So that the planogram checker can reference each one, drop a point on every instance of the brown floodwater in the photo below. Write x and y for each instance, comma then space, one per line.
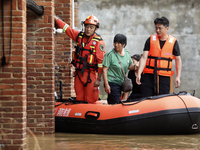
68, 141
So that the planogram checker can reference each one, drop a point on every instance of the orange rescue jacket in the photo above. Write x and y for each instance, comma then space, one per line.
74, 35
160, 60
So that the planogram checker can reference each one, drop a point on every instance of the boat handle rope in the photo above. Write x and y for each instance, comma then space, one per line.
72, 102
59, 104
135, 102
194, 125
151, 98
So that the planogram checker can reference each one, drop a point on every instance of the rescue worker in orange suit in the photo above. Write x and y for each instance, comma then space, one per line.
156, 62
87, 58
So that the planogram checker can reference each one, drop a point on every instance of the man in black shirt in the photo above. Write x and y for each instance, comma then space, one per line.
156, 62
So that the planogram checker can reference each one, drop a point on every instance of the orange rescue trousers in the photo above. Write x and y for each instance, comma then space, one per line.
87, 93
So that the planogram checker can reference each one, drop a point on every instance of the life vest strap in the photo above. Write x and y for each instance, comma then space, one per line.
166, 69
172, 84
80, 58
158, 84
88, 78
156, 76
84, 66
158, 87
159, 58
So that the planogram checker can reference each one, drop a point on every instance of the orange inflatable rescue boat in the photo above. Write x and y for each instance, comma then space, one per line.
177, 113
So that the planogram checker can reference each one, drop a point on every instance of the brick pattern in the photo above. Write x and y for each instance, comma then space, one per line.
13, 77
27, 83
40, 69
63, 48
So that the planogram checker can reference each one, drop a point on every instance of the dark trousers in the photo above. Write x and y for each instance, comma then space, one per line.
133, 96
115, 94
147, 87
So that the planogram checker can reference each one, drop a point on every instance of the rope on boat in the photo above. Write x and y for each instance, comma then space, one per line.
136, 101
194, 125
71, 101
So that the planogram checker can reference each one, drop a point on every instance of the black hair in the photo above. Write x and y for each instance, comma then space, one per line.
120, 38
137, 57
163, 20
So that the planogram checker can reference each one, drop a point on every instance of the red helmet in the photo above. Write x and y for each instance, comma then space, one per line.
92, 20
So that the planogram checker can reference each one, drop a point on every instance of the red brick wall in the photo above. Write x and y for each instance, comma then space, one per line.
63, 49
40, 69
27, 83
13, 77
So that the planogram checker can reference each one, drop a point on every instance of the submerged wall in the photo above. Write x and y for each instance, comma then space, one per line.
134, 18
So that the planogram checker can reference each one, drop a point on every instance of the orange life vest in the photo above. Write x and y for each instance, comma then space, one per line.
160, 60
84, 57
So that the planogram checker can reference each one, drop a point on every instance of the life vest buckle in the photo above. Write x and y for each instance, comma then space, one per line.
81, 58
159, 58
